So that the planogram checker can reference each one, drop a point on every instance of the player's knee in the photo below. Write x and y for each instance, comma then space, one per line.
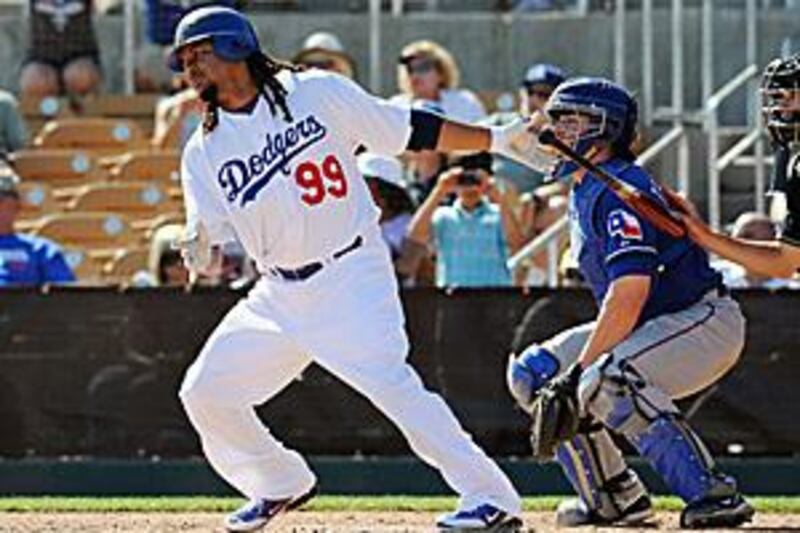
617, 395
529, 372
196, 389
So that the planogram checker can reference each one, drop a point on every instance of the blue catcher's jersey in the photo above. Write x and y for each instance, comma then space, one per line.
610, 240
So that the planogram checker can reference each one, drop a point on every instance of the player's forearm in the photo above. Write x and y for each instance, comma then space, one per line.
456, 136
617, 318
767, 258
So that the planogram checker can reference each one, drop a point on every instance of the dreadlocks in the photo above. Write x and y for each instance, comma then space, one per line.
264, 70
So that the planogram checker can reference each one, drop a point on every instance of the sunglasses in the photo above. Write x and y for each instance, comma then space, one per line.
418, 66
324, 64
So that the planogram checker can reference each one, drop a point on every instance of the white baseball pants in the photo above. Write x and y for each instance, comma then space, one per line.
348, 319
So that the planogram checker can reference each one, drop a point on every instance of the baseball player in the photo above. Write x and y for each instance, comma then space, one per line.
666, 329
780, 92
273, 166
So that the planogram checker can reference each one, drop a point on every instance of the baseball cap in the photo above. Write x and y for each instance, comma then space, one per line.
386, 169
8, 182
544, 74
324, 47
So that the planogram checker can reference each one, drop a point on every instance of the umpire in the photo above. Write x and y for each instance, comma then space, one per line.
780, 104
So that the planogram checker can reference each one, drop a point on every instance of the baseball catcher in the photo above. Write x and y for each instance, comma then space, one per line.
666, 329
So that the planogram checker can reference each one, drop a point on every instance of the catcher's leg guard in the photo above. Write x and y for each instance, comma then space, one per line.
609, 491
615, 393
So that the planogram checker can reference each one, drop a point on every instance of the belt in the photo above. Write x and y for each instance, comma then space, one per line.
306, 271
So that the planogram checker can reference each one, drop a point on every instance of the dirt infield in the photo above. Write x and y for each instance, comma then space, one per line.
310, 522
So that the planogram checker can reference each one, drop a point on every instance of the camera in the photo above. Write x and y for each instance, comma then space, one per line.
469, 177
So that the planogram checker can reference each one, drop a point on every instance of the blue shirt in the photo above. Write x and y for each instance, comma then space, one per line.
471, 246
30, 260
609, 240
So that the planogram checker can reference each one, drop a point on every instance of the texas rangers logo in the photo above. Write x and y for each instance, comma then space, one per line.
624, 225
243, 179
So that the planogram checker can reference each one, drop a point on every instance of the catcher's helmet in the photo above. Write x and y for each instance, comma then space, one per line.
231, 34
780, 100
544, 74
610, 108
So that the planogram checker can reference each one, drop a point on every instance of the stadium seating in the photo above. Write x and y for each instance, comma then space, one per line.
36, 200
161, 166
57, 168
87, 230
137, 200
85, 268
99, 135
125, 263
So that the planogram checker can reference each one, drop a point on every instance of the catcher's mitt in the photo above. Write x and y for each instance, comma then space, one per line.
556, 415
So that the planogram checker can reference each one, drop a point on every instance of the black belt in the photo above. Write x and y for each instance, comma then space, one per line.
306, 271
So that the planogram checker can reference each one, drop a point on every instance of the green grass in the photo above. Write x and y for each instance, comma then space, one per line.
55, 504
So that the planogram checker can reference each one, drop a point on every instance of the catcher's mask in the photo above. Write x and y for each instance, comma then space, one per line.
586, 111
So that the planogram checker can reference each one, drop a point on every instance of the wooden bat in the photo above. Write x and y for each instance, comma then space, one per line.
654, 212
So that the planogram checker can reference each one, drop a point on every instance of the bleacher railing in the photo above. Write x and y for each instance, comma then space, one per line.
716, 163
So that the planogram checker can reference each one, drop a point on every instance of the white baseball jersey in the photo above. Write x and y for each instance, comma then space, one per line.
291, 193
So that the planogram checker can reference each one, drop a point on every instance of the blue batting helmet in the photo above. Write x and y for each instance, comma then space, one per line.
611, 110
544, 74
231, 34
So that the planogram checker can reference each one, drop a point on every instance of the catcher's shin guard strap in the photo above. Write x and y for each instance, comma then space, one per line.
598, 473
425, 129
616, 394
680, 458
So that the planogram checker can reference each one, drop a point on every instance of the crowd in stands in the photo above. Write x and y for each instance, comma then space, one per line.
94, 196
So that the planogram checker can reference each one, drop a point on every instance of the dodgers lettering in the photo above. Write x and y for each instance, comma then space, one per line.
245, 178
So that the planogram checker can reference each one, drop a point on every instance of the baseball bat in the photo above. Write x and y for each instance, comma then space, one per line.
655, 213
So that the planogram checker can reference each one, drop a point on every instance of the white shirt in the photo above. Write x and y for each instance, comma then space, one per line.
458, 104
291, 193
735, 277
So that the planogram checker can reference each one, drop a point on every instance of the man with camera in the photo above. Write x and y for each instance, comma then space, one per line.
473, 237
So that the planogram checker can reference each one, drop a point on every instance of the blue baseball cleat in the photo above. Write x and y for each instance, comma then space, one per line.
485, 517
256, 514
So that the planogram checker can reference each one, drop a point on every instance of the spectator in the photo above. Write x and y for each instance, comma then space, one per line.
63, 56
166, 269
165, 265
25, 259
427, 73
176, 117
473, 237
384, 177
756, 227
13, 133
523, 6
547, 202
324, 50
540, 80
429, 77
